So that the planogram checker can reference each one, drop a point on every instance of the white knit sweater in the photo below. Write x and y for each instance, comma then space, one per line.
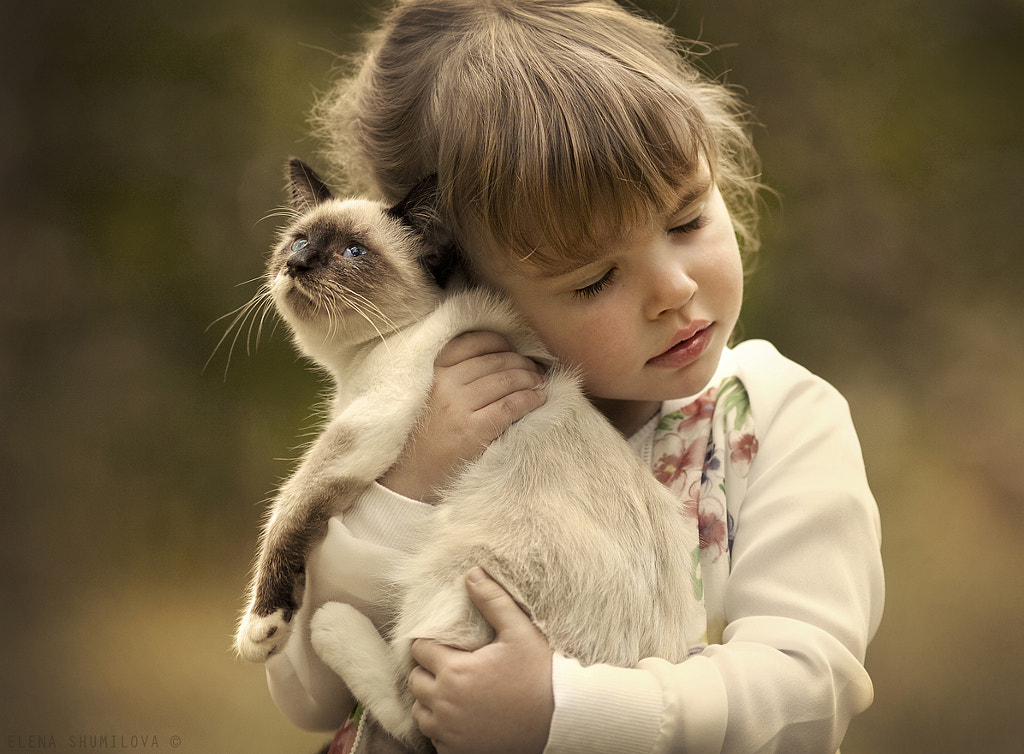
801, 600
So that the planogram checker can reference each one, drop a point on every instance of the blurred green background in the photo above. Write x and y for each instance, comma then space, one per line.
141, 146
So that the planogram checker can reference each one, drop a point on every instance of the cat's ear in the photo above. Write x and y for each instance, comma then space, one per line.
418, 210
308, 190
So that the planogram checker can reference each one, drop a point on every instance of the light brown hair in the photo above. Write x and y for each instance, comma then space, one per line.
551, 124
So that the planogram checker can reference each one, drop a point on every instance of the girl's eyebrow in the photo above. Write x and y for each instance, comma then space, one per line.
557, 272
692, 194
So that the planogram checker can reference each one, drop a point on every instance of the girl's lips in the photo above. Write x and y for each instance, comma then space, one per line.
689, 346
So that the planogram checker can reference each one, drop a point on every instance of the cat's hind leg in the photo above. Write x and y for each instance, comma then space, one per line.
349, 643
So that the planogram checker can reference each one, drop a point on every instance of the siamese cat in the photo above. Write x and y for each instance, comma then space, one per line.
558, 509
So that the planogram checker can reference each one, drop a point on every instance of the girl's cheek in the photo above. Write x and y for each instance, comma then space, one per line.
598, 345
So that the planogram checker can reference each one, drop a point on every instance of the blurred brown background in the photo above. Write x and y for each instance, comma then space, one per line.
141, 143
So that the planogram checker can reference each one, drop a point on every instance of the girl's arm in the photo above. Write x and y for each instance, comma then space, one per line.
803, 599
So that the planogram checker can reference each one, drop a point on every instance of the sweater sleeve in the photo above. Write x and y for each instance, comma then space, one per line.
803, 599
344, 567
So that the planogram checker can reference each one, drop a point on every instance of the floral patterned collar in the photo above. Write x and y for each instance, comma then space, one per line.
702, 451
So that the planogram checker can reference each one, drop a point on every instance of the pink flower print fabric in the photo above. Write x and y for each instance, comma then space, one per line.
703, 452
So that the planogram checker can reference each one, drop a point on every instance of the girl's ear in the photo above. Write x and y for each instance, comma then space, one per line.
308, 190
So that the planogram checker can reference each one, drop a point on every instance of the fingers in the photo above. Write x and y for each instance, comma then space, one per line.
498, 386
497, 415
480, 353
497, 698
470, 344
422, 684
430, 656
481, 387
491, 386
495, 604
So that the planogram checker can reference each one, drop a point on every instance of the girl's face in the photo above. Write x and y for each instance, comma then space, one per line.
646, 321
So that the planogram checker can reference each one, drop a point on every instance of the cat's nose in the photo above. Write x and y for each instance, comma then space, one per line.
301, 261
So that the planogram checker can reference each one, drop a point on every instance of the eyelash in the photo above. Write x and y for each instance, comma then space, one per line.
694, 225
595, 288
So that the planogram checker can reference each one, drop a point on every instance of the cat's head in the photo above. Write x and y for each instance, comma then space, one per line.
347, 271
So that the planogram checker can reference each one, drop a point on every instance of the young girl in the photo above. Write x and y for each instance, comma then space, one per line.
592, 174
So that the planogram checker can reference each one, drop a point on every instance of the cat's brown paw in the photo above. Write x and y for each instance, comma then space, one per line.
259, 637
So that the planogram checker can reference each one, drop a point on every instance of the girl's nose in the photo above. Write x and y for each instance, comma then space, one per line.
671, 286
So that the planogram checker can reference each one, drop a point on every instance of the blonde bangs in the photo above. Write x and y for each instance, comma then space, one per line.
553, 125
578, 146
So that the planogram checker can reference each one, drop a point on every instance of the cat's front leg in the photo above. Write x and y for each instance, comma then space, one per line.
278, 582
299, 521
321, 487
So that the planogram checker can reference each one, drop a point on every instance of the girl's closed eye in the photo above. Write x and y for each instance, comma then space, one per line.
690, 226
589, 291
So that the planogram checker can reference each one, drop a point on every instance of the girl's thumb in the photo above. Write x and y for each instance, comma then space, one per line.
494, 603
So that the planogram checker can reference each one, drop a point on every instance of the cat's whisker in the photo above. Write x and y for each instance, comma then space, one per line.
239, 316
373, 308
357, 302
256, 307
268, 307
288, 213
229, 314
334, 317
256, 279
329, 305
249, 311
260, 312
384, 318
273, 330
367, 310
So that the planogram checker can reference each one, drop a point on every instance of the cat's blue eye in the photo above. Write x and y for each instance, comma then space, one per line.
355, 250
300, 243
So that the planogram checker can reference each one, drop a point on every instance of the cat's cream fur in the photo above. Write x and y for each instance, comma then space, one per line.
558, 509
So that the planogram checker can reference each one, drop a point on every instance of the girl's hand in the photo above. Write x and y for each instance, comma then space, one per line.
480, 387
497, 699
